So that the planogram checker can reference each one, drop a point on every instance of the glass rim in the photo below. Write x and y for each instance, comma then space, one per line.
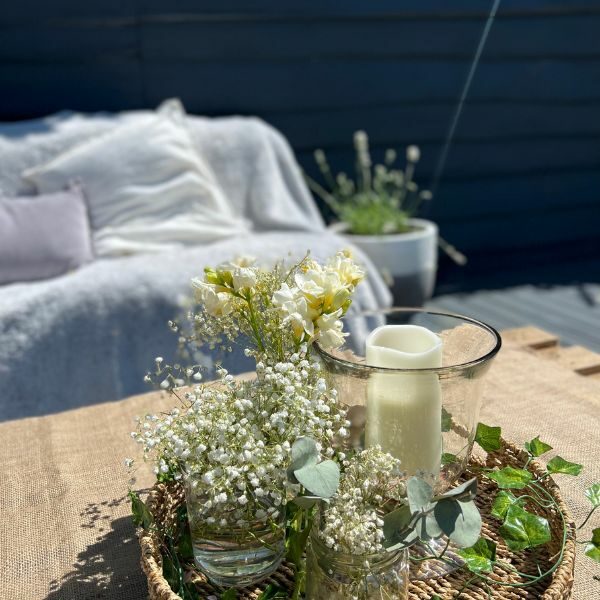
438, 370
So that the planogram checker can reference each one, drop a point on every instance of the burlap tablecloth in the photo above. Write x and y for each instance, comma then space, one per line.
65, 526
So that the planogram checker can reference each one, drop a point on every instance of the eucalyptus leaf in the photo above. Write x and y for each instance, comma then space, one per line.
488, 437
480, 557
320, 479
502, 502
428, 528
404, 540
446, 420
419, 494
307, 501
560, 465
593, 494
536, 447
522, 529
396, 520
304, 453
511, 478
460, 521
465, 491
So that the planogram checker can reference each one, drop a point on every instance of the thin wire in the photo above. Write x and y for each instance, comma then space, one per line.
463, 96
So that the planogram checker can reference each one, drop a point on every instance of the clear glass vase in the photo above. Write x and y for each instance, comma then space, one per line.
332, 575
234, 556
421, 414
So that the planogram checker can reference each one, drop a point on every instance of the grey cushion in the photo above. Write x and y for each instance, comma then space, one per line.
43, 236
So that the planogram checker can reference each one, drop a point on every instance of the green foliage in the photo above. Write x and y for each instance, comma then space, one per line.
522, 529
142, 517
593, 494
419, 494
446, 420
321, 479
460, 521
379, 200
449, 459
488, 437
273, 592
230, 594
480, 557
511, 478
502, 502
560, 465
592, 548
464, 492
536, 447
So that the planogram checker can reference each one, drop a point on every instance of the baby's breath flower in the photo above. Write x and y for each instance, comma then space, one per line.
352, 520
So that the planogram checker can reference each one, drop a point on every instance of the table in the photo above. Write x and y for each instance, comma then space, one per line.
65, 526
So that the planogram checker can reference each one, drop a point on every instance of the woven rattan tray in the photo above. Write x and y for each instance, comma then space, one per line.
164, 499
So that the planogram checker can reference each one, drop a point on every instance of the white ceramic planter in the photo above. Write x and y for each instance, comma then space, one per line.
407, 261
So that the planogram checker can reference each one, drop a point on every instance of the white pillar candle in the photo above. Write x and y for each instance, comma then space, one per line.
404, 410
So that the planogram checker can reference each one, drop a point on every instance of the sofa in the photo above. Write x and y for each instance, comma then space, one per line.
89, 335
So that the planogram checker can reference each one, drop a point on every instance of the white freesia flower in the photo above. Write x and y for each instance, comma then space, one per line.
299, 317
332, 338
217, 304
243, 278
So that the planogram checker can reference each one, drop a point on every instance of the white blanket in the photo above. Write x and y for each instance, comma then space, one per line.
91, 335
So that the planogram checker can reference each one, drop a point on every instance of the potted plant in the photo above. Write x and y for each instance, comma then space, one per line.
376, 211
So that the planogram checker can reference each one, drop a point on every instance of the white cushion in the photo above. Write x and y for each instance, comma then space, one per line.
147, 187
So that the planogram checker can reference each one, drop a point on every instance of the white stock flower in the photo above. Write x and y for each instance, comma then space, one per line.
243, 278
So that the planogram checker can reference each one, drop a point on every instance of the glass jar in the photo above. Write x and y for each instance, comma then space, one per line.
332, 575
431, 414
233, 556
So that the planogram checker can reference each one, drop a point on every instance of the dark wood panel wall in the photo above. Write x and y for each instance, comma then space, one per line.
523, 172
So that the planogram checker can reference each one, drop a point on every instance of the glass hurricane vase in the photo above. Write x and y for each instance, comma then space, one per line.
332, 575
427, 417
230, 555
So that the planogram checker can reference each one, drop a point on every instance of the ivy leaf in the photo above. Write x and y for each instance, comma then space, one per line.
502, 502
536, 447
304, 453
460, 521
321, 479
419, 494
488, 437
230, 594
170, 572
511, 478
464, 492
592, 549
560, 465
522, 529
184, 545
480, 557
142, 517
449, 459
273, 592
593, 494
446, 420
